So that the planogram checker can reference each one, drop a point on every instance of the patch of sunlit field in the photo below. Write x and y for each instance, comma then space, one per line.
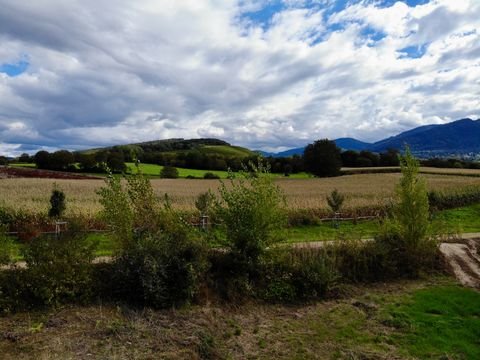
362, 190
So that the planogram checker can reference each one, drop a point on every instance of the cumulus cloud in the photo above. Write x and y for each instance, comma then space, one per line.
263, 74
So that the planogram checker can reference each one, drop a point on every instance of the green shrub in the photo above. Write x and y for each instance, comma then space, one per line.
13, 294
128, 209
57, 203
209, 175
117, 211
335, 201
406, 237
162, 268
169, 172
252, 212
58, 269
7, 247
159, 263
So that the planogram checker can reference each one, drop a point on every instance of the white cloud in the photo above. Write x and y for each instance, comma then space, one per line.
103, 72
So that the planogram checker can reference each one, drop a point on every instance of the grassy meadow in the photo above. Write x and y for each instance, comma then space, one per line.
153, 171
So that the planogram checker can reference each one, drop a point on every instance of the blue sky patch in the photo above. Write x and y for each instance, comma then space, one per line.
388, 3
263, 16
413, 52
14, 69
372, 34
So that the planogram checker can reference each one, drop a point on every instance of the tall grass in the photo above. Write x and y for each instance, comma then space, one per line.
361, 191
441, 200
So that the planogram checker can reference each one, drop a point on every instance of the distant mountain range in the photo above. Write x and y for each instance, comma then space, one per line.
458, 138
352, 144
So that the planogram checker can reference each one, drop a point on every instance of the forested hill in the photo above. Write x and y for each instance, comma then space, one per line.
164, 145
461, 136
208, 154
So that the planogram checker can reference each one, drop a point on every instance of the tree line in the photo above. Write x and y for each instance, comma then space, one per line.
321, 158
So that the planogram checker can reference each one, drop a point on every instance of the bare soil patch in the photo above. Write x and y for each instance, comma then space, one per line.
463, 260
15, 172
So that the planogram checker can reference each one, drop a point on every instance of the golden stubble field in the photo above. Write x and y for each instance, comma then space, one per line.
360, 190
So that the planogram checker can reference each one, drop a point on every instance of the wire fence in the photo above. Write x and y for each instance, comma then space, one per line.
203, 223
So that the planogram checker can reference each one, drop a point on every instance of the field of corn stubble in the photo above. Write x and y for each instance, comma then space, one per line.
363, 190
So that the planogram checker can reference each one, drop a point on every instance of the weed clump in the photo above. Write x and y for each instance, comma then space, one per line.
290, 275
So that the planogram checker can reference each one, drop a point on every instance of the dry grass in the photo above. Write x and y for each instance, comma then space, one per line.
432, 170
351, 328
423, 169
360, 190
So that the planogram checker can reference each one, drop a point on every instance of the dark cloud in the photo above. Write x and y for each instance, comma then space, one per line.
105, 72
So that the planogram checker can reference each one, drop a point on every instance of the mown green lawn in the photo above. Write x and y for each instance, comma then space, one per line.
440, 322
463, 219
154, 171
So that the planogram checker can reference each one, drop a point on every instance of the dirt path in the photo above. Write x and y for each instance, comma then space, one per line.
463, 259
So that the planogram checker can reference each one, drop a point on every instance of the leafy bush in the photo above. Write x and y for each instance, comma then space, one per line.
169, 172
209, 175
161, 268
117, 211
252, 212
128, 209
57, 203
58, 269
158, 263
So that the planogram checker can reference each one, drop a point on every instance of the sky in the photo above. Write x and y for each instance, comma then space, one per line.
265, 74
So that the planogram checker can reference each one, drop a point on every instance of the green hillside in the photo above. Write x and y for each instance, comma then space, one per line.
154, 171
179, 146
226, 150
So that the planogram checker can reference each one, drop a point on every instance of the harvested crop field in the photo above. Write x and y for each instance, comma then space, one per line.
28, 172
423, 170
360, 190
